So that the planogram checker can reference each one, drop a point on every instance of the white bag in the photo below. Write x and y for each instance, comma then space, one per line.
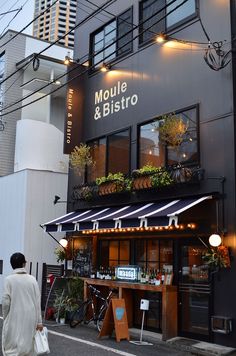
41, 342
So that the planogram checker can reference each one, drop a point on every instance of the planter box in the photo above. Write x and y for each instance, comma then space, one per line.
142, 182
110, 188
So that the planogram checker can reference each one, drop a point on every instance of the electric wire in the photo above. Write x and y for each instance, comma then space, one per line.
85, 71
102, 50
13, 18
10, 8
7, 12
56, 41
34, 19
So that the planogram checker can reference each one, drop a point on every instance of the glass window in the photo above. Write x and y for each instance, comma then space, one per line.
114, 253
98, 153
151, 150
184, 12
119, 152
154, 254
106, 44
154, 16
151, 25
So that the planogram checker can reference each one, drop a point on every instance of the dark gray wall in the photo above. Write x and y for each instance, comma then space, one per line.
167, 79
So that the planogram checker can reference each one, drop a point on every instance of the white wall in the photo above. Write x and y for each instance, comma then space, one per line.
36, 45
26, 202
39, 146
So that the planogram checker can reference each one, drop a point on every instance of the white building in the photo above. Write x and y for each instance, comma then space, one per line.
33, 168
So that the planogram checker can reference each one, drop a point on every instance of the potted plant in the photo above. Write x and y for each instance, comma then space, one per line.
64, 305
172, 133
113, 183
150, 176
60, 252
217, 258
80, 158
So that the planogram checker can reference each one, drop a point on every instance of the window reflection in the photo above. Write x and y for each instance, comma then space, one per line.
98, 153
119, 152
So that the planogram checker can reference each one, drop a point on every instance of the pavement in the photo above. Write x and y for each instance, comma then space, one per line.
194, 347
184, 346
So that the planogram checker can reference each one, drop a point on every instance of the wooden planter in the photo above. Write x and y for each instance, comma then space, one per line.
110, 188
142, 182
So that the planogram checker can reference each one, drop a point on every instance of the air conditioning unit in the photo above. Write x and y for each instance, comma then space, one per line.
221, 324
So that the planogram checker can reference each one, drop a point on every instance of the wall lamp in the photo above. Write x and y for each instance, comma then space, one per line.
56, 200
63, 242
161, 37
105, 67
215, 240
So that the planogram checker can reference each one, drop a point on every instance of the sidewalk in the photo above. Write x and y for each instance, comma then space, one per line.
195, 347
190, 346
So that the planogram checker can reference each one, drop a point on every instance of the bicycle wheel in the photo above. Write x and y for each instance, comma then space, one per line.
101, 317
79, 315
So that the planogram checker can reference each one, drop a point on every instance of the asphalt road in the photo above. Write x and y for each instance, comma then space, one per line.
83, 340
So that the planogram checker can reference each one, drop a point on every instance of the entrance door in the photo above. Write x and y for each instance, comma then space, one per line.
194, 293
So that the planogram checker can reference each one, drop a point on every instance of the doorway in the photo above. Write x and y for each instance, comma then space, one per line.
194, 292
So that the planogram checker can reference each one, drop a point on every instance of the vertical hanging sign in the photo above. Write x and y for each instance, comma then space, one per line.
74, 107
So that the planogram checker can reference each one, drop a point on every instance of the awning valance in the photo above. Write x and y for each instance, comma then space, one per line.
163, 213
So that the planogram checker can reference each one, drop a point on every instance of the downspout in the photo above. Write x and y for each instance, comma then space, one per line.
233, 41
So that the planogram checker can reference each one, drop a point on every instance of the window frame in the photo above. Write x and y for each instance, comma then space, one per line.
179, 111
100, 29
166, 29
107, 153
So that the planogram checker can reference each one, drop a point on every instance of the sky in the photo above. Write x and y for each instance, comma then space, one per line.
21, 20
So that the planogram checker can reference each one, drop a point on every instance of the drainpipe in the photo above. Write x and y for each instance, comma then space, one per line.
233, 40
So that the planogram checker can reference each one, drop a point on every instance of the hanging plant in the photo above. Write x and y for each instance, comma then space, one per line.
172, 130
60, 252
217, 258
80, 158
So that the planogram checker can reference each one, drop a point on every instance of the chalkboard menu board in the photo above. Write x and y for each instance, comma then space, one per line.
82, 262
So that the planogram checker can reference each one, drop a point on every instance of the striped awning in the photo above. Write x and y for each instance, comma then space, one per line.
163, 213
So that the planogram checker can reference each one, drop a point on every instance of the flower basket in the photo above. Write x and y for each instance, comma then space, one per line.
142, 182
217, 258
110, 187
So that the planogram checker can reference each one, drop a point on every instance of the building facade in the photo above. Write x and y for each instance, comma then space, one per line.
31, 144
188, 73
56, 22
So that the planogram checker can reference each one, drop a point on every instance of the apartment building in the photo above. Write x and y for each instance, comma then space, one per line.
56, 22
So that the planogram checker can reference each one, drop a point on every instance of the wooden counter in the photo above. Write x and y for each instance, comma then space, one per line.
169, 301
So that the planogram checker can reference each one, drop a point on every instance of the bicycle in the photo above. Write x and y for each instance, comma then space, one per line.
80, 315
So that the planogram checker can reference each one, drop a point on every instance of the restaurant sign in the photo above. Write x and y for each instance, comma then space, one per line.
129, 273
112, 100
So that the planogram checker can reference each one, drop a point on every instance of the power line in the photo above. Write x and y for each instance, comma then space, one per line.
85, 71
14, 17
87, 56
34, 19
7, 12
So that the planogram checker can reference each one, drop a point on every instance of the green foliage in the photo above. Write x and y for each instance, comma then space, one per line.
161, 179
146, 170
64, 304
60, 252
81, 157
217, 257
118, 177
172, 130
76, 288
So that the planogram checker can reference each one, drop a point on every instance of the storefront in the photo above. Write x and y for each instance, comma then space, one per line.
165, 241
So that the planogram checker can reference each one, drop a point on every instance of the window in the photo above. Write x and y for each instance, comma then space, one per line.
98, 153
114, 253
151, 150
111, 154
157, 16
116, 35
118, 152
1, 266
153, 254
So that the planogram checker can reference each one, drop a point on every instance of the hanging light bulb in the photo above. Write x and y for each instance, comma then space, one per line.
215, 240
63, 242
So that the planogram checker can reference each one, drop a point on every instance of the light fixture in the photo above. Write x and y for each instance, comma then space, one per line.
161, 38
105, 67
56, 200
63, 242
215, 240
